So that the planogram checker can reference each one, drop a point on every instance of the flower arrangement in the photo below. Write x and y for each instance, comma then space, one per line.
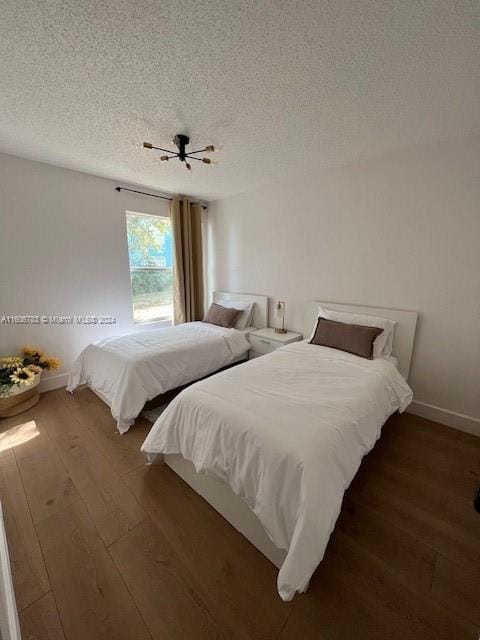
22, 371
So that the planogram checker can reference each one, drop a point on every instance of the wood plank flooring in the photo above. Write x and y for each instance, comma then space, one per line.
103, 547
40, 620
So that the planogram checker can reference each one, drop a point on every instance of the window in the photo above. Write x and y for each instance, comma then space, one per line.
150, 257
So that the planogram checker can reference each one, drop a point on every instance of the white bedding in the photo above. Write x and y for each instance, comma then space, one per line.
129, 370
287, 432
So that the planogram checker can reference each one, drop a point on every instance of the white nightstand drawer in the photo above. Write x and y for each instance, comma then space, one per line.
262, 345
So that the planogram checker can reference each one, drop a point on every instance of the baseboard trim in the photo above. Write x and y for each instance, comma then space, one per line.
53, 382
444, 416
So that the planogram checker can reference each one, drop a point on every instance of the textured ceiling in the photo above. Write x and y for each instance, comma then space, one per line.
283, 86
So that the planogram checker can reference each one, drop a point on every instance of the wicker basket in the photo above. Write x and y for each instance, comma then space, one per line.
21, 399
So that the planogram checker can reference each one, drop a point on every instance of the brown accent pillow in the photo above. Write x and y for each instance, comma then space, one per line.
353, 338
222, 316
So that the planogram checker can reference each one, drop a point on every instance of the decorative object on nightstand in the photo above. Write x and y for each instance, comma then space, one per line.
281, 307
19, 380
267, 340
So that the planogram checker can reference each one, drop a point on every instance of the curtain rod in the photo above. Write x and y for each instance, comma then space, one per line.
152, 195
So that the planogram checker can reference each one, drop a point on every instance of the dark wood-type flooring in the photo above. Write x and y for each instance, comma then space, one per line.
104, 547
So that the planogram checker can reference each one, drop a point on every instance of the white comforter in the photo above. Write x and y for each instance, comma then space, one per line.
287, 432
129, 370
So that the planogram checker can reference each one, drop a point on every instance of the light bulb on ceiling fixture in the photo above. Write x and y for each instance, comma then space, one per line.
206, 160
163, 157
188, 166
148, 145
210, 148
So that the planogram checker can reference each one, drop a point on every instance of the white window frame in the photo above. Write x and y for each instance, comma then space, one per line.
162, 322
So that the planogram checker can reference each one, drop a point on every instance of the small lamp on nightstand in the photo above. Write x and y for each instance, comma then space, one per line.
281, 307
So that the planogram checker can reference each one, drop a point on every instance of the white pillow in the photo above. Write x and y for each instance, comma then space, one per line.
244, 318
383, 344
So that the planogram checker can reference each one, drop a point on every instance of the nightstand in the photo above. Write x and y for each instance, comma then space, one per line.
266, 340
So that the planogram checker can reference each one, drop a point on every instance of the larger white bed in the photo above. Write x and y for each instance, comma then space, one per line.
127, 371
273, 444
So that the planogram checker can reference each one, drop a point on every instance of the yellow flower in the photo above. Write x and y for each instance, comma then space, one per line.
50, 363
11, 361
35, 368
32, 351
22, 376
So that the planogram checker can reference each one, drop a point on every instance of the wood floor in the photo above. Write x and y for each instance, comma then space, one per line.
103, 547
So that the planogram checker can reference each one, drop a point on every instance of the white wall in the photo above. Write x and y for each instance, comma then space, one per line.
400, 232
63, 251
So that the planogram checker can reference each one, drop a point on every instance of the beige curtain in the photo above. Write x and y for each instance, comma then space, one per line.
186, 219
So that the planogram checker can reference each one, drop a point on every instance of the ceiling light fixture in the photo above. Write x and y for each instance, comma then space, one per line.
181, 141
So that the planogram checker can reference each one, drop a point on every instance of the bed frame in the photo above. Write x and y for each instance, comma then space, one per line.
220, 496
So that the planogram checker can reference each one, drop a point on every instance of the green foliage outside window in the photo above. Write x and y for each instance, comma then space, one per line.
146, 239
151, 286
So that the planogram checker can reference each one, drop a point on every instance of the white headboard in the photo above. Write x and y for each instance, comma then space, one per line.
404, 329
260, 308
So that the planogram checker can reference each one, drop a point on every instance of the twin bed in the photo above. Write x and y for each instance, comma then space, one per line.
273, 444
127, 371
